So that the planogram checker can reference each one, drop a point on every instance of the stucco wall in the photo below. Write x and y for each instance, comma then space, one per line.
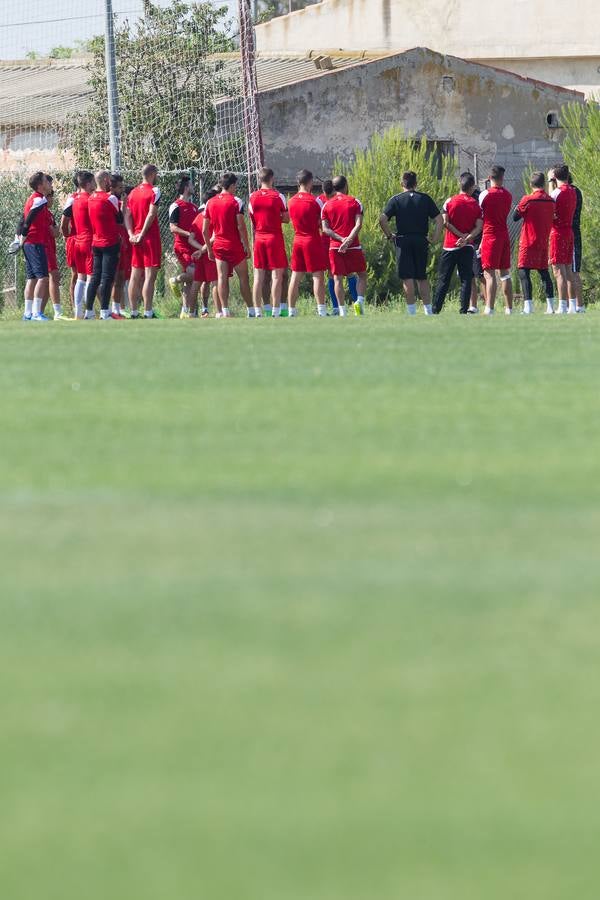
496, 115
459, 27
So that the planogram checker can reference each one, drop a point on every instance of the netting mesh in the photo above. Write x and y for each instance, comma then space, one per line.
185, 95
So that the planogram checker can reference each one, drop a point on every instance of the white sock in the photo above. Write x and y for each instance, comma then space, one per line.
508, 310
293, 312
276, 311
360, 300
527, 306
57, 309
321, 309
80, 288
342, 310
253, 312
116, 307
428, 309
563, 306
572, 306
411, 309
89, 314
550, 304
28, 306
37, 306
488, 311
267, 307
184, 308
135, 313
147, 313
105, 313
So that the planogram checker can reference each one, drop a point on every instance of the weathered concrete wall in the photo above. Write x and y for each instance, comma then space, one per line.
459, 27
493, 114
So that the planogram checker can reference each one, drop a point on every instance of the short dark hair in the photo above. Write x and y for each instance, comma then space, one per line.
537, 180
497, 173
304, 177
84, 177
36, 180
182, 184
127, 190
265, 174
467, 181
76, 180
561, 173
115, 180
209, 194
227, 179
340, 183
327, 185
149, 169
409, 180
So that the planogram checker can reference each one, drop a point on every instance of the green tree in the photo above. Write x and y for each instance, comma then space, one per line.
581, 150
374, 175
264, 10
168, 83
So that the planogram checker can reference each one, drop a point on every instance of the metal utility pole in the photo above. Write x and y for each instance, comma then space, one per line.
114, 128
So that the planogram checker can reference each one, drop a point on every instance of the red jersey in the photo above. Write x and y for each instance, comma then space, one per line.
69, 214
79, 213
495, 205
565, 204
38, 219
266, 207
197, 226
222, 212
341, 212
139, 201
305, 215
463, 212
537, 212
182, 213
103, 209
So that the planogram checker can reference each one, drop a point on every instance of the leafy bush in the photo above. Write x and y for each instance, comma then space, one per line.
374, 176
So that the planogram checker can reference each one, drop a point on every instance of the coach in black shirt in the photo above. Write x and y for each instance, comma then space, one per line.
413, 212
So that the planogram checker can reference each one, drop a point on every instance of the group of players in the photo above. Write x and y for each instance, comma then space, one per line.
113, 244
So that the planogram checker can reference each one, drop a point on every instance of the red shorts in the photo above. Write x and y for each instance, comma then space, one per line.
232, 253
184, 258
309, 255
269, 252
562, 247
83, 259
70, 251
533, 257
147, 254
348, 263
125, 260
205, 269
495, 251
51, 257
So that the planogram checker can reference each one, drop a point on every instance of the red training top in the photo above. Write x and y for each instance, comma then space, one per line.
139, 201
537, 212
340, 212
266, 207
38, 219
182, 213
79, 212
495, 205
222, 212
104, 214
305, 215
565, 200
463, 212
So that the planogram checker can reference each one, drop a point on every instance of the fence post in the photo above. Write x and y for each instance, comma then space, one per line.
114, 131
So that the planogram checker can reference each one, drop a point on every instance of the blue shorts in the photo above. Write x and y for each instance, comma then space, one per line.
36, 261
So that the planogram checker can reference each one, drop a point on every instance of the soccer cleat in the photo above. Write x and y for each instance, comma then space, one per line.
39, 317
175, 287
472, 311
205, 314
184, 314
27, 317
60, 317
508, 311
580, 310
358, 308
153, 315
116, 316
284, 314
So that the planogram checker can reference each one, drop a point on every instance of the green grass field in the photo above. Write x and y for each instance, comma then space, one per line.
300, 610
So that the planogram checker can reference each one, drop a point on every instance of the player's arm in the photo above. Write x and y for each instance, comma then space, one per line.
206, 236
450, 227
348, 241
470, 237
128, 220
65, 226
174, 223
330, 232
243, 232
384, 224
152, 214
285, 215
199, 248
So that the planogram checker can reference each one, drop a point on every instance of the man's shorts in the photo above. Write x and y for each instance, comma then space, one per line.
184, 258
232, 253
147, 254
205, 269
124, 268
412, 252
70, 251
577, 250
349, 263
308, 255
495, 251
562, 247
269, 252
83, 259
36, 261
51, 257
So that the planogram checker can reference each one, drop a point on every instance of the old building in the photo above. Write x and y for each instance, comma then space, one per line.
547, 41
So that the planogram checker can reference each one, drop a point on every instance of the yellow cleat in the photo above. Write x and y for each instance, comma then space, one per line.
358, 309
184, 314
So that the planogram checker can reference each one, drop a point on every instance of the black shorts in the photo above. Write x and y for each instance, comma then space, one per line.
36, 261
577, 254
412, 252
477, 267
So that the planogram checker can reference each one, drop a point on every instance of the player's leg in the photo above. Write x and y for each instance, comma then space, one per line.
110, 261
319, 292
93, 284
548, 290
40, 293
136, 283
571, 290
491, 287
507, 290
223, 286
204, 295
277, 290
258, 285
54, 291
28, 296
361, 290
353, 288
562, 287
576, 281
425, 295
526, 290
294, 289
464, 262
411, 295
445, 273
332, 295
117, 293
241, 271
150, 275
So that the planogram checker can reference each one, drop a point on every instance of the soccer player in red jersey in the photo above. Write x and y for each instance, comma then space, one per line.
268, 211
342, 219
123, 273
327, 194
226, 239
182, 213
105, 218
142, 225
76, 209
463, 223
34, 232
53, 271
536, 210
562, 240
205, 269
67, 227
495, 204
308, 251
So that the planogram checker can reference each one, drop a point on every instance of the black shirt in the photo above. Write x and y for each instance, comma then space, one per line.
577, 215
412, 211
